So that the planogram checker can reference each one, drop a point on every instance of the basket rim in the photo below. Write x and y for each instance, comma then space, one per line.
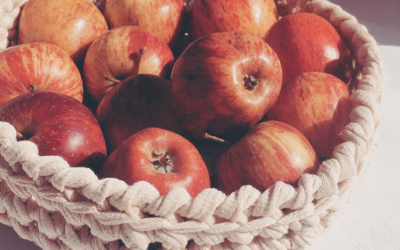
316, 195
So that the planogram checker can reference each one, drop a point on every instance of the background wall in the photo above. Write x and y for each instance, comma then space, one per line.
382, 18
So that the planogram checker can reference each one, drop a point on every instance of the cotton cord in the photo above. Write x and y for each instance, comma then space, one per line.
59, 207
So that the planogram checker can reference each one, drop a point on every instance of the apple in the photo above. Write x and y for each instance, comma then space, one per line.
121, 53
185, 40
182, 45
210, 151
224, 83
37, 66
308, 43
272, 151
160, 157
155, 246
137, 103
71, 25
318, 105
59, 125
162, 18
211, 16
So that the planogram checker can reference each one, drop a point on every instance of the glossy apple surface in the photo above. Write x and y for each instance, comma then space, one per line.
272, 151
224, 83
160, 157
318, 105
59, 125
163, 18
35, 67
137, 103
308, 43
212, 16
71, 25
116, 54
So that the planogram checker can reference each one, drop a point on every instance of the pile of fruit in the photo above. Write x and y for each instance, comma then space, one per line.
216, 94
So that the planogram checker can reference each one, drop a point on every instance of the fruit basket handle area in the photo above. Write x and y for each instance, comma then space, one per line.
59, 207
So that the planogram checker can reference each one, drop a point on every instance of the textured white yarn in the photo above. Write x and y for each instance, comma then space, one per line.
59, 207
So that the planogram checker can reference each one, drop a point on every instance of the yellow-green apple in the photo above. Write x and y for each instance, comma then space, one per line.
272, 151
160, 157
163, 18
224, 83
59, 125
37, 66
121, 53
71, 25
212, 16
137, 103
318, 105
308, 43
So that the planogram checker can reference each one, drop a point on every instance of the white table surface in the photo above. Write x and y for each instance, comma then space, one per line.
372, 219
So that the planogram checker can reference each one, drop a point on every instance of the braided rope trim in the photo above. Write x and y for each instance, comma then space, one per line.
9, 14
59, 207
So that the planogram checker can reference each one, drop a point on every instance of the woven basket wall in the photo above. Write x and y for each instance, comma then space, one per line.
59, 207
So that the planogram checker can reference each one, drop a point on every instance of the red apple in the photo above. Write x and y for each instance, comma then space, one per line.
224, 83
155, 246
137, 103
160, 157
37, 66
71, 25
185, 40
163, 18
59, 125
318, 105
212, 16
272, 151
210, 151
308, 43
182, 45
121, 53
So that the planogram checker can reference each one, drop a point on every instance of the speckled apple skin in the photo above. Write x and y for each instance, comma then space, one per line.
272, 151
212, 16
132, 162
318, 105
116, 54
163, 18
42, 65
71, 25
208, 91
137, 103
59, 125
306, 42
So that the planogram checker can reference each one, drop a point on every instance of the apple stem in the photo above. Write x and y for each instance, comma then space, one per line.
32, 88
250, 82
207, 136
20, 136
112, 79
141, 53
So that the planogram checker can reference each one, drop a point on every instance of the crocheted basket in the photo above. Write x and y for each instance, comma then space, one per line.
59, 207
